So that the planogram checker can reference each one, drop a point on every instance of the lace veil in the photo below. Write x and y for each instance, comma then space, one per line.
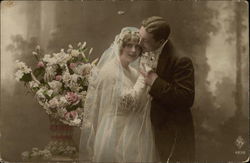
106, 112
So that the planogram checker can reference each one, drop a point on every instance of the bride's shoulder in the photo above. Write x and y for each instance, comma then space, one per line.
108, 72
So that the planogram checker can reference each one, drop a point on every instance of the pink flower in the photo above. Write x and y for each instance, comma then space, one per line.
40, 64
72, 65
58, 77
71, 115
72, 97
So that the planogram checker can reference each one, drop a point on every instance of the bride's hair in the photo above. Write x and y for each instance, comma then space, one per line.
130, 37
127, 37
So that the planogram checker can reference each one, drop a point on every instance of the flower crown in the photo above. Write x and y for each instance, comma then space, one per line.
124, 32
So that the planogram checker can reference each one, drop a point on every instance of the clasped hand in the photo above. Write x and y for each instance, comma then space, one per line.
149, 75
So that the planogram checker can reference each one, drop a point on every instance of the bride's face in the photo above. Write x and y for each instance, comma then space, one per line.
131, 51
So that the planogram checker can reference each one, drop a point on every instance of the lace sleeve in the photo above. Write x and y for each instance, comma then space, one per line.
130, 98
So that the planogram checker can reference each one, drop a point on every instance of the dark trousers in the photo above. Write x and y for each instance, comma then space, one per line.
173, 146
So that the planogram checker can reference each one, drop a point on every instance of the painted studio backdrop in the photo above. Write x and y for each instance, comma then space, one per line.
213, 33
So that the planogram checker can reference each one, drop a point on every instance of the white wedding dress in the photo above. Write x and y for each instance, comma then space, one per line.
117, 125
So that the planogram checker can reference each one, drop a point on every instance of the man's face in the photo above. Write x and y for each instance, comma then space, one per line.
147, 41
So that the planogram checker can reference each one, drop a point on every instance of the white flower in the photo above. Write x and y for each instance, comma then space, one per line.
46, 58
61, 58
83, 69
18, 75
58, 75
74, 53
40, 96
74, 77
83, 45
70, 46
25, 155
50, 73
66, 77
83, 55
52, 60
38, 47
61, 112
83, 94
53, 103
80, 112
78, 70
88, 66
27, 70
74, 86
47, 156
57, 58
55, 85
49, 92
46, 108
87, 69
71, 82
69, 50
21, 66
35, 149
90, 51
41, 91
63, 102
33, 84
76, 122
34, 53
34, 154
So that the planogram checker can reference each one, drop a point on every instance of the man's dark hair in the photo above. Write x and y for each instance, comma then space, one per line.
157, 26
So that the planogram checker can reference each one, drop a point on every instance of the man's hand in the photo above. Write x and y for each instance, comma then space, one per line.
150, 77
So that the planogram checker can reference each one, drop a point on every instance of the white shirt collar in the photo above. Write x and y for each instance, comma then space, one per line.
159, 50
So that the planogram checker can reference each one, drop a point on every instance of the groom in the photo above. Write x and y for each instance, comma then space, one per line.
172, 90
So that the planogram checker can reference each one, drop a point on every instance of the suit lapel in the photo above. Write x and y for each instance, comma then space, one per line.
163, 59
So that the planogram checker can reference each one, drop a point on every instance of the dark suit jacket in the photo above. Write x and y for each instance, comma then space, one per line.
173, 95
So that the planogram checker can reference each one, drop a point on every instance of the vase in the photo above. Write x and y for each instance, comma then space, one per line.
61, 144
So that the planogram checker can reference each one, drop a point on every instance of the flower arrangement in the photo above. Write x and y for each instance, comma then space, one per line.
36, 153
59, 81
48, 151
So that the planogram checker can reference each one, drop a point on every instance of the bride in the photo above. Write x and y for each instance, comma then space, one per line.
117, 126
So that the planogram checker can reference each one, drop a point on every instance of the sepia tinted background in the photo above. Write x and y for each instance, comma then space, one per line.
213, 33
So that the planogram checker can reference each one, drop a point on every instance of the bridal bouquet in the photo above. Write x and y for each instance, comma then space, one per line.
59, 81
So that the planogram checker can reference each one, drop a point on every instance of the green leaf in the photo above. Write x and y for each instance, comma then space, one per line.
85, 88
71, 71
39, 72
86, 59
73, 107
26, 77
47, 96
59, 70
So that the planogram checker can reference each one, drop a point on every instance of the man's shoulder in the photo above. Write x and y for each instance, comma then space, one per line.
178, 58
176, 53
